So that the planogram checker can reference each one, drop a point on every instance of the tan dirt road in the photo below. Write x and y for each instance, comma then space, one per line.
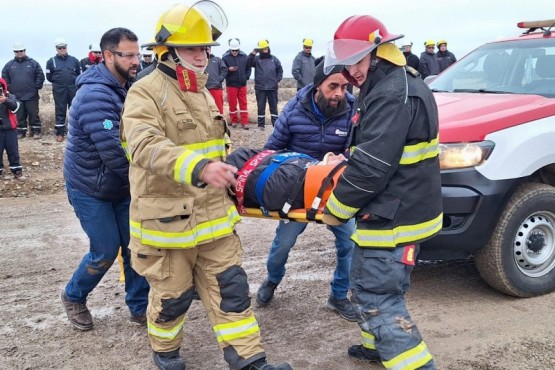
466, 324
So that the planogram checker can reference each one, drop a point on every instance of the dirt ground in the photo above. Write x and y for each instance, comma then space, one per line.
465, 324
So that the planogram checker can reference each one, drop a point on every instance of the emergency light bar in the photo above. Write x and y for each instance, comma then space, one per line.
536, 24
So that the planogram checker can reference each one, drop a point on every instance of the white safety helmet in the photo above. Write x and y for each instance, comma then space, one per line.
234, 44
18, 46
60, 42
94, 47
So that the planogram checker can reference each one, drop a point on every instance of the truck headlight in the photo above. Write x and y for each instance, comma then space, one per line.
462, 155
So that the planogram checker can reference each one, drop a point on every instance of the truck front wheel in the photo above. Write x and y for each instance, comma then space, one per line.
519, 259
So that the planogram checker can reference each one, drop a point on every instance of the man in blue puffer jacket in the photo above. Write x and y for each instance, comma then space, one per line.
315, 122
96, 174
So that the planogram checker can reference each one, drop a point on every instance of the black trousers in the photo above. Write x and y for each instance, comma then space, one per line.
63, 95
8, 142
28, 115
261, 97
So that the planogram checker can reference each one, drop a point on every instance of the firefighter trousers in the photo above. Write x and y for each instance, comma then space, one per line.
214, 269
379, 280
238, 95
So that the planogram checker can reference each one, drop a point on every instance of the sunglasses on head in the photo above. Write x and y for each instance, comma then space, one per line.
61, 47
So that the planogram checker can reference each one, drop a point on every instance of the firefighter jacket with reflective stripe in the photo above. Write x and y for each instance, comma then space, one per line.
169, 135
392, 180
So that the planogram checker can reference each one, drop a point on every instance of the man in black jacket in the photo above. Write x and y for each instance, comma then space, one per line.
9, 106
25, 77
444, 57
268, 72
412, 60
147, 60
94, 57
62, 70
217, 70
428, 60
236, 83
391, 186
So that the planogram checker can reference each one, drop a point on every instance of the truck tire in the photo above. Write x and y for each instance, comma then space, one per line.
519, 259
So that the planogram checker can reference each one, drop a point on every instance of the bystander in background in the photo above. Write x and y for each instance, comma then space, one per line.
25, 78
62, 70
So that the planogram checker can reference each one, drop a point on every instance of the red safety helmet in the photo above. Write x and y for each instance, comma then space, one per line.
357, 36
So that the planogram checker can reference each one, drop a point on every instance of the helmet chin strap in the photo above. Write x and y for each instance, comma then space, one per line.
174, 55
180, 62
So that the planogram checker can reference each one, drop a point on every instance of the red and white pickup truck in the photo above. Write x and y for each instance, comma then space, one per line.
497, 134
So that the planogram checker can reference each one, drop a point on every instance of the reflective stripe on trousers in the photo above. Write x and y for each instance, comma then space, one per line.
379, 281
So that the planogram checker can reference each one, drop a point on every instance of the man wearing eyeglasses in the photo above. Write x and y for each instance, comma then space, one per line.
95, 57
428, 60
304, 65
97, 182
25, 78
62, 70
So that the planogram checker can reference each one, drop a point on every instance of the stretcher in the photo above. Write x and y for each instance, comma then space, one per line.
316, 186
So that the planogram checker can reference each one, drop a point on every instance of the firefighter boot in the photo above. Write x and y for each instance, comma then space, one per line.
265, 292
261, 364
169, 360
359, 352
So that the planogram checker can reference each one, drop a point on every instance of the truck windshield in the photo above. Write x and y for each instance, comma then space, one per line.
524, 66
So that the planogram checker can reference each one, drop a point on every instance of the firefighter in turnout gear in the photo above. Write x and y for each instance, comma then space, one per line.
391, 186
181, 218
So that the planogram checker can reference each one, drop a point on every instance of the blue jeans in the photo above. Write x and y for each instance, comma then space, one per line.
286, 237
106, 223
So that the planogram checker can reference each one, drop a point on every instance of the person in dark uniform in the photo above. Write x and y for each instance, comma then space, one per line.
428, 61
25, 77
412, 60
268, 72
147, 60
391, 186
444, 57
62, 70
9, 105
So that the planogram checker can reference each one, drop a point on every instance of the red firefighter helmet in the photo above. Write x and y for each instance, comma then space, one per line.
357, 36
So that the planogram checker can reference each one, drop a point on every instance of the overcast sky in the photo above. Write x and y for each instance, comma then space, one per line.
465, 24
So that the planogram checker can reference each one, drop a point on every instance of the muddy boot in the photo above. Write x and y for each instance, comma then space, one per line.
359, 352
169, 360
19, 176
138, 319
261, 364
77, 313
